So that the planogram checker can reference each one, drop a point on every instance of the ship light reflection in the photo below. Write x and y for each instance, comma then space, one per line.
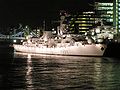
29, 79
29, 56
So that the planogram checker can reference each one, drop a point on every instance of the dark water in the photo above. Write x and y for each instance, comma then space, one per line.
45, 72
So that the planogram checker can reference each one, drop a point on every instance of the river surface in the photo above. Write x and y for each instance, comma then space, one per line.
24, 71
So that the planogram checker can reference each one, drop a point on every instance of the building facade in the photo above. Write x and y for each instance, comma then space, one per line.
104, 11
107, 11
81, 22
116, 22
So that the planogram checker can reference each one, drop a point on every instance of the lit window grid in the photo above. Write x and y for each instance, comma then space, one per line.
119, 26
118, 15
85, 20
105, 4
85, 25
106, 15
110, 12
105, 8
83, 28
109, 20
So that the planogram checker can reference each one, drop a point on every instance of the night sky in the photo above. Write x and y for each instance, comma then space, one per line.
33, 12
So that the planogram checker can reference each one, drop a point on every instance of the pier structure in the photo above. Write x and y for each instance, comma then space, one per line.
15, 38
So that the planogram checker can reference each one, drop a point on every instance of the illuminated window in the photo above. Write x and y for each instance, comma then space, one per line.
91, 18
70, 28
77, 21
83, 18
83, 28
78, 18
72, 18
83, 21
105, 8
85, 24
72, 25
87, 15
111, 16
109, 12
82, 31
106, 15
109, 20
88, 12
105, 4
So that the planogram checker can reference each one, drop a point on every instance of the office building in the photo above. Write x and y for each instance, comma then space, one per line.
104, 12
81, 22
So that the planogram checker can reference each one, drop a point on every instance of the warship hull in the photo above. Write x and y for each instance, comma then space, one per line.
80, 50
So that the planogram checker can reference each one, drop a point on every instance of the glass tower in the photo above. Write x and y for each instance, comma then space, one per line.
81, 22
116, 22
104, 11
109, 12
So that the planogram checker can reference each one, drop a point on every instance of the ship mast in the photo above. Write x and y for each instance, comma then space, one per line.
44, 25
61, 28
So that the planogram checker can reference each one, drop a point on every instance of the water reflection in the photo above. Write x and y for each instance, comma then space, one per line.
47, 72
106, 74
28, 77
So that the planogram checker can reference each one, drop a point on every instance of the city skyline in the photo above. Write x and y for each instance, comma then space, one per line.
35, 11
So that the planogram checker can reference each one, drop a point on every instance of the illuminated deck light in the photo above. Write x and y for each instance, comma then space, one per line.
14, 41
29, 56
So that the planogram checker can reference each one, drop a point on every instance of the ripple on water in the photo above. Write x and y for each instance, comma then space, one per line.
49, 72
